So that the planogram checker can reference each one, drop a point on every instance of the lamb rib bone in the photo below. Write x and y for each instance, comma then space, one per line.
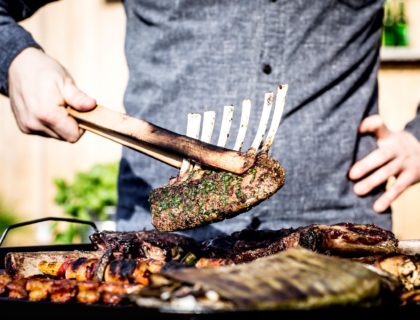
205, 196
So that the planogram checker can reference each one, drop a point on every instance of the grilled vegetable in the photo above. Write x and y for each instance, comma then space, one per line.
25, 264
294, 279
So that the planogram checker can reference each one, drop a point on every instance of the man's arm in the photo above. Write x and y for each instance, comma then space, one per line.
38, 86
397, 155
13, 38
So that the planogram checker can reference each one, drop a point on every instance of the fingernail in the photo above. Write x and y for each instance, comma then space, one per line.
354, 173
87, 101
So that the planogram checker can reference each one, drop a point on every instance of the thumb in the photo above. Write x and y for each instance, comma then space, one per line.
374, 124
76, 98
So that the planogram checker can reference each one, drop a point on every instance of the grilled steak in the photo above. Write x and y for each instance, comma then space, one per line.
144, 244
348, 239
343, 239
207, 196
248, 245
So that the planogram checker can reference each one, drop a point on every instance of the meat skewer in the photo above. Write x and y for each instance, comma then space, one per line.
65, 290
117, 271
203, 196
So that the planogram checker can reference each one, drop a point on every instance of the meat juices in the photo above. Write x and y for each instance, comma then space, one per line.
206, 196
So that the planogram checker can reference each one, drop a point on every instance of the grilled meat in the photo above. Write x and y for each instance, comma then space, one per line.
117, 271
348, 239
213, 262
4, 280
16, 289
410, 298
25, 264
207, 196
81, 269
344, 239
114, 293
132, 271
75, 277
39, 289
405, 268
64, 290
144, 244
248, 245
88, 292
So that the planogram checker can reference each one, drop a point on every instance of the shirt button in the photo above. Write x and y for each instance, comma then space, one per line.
266, 68
273, 1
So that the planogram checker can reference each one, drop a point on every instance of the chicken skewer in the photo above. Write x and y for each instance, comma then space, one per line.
117, 271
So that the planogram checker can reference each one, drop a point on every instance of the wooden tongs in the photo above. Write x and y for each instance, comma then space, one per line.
159, 143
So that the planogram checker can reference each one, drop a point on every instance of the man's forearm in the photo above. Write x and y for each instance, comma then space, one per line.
13, 38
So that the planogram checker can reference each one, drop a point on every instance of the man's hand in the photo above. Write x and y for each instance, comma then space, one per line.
398, 155
39, 90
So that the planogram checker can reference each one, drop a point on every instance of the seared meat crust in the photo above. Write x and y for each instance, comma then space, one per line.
144, 244
207, 196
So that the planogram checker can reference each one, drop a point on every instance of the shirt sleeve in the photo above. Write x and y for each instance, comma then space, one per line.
13, 38
414, 125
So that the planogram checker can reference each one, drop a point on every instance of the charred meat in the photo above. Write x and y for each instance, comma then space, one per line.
207, 196
344, 239
117, 271
348, 239
144, 244
248, 245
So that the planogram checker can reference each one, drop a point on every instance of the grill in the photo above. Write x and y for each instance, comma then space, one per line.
49, 310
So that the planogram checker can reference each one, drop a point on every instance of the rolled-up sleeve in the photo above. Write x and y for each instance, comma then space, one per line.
414, 125
13, 38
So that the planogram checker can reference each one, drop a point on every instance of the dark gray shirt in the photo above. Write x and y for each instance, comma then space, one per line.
192, 56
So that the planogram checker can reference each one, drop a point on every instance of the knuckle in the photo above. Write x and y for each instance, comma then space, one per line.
387, 172
44, 116
31, 126
398, 187
24, 129
386, 152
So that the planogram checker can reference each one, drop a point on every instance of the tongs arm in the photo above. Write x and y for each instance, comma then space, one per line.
159, 143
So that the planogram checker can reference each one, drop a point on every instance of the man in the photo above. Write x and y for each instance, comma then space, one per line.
185, 56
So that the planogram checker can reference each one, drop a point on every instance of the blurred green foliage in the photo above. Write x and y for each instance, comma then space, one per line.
87, 197
7, 217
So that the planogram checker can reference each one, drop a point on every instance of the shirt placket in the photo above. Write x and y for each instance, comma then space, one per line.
271, 62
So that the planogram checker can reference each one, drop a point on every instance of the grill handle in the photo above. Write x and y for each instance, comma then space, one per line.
21, 224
